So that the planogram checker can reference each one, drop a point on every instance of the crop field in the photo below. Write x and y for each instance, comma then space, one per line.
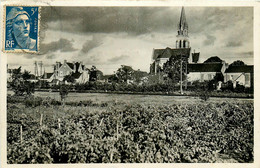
103, 128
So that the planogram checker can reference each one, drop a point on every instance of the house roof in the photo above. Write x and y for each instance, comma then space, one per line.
71, 65
76, 75
203, 67
48, 75
240, 68
169, 52
213, 59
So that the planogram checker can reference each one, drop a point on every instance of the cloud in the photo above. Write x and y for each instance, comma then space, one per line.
105, 36
91, 44
51, 56
234, 44
134, 20
118, 59
247, 54
210, 40
62, 45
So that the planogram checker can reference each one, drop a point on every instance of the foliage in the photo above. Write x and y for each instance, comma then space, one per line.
95, 74
124, 73
192, 132
64, 91
173, 69
69, 78
20, 84
237, 63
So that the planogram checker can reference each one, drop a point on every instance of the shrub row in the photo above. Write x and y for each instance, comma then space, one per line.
33, 101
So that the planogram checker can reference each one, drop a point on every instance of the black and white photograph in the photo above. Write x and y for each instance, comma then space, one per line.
133, 84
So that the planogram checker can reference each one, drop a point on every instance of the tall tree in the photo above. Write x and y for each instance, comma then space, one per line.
95, 74
124, 73
20, 84
172, 69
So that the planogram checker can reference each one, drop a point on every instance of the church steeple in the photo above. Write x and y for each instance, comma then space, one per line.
183, 38
183, 25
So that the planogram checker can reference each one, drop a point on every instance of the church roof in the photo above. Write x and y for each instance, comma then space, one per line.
168, 52
240, 69
202, 67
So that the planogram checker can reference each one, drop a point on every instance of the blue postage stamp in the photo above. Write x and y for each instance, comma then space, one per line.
21, 28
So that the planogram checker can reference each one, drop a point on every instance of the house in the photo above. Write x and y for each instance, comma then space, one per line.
76, 69
240, 74
81, 77
47, 77
204, 71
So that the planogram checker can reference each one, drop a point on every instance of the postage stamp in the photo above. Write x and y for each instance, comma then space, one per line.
21, 29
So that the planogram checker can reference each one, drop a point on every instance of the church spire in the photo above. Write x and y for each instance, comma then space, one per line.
182, 36
183, 25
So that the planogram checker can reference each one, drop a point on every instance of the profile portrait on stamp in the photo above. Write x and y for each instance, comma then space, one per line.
21, 28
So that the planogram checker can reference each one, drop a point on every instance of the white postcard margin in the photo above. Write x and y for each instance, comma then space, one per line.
3, 86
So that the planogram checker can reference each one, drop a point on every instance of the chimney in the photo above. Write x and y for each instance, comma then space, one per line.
74, 66
40, 68
65, 61
195, 57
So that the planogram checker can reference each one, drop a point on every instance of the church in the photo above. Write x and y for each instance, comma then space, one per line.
182, 47
195, 71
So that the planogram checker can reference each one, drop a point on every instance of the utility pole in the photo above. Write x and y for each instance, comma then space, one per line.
186, 80
181, 77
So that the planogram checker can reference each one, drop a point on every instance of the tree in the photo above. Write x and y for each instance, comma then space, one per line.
26, 75
237, 63
172, 69
20, 84
95, 74
64, 91
124, 73
69, 78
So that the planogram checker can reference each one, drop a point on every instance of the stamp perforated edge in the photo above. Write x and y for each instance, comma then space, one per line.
4, 31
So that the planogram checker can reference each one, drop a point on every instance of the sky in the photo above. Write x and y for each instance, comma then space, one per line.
109, 37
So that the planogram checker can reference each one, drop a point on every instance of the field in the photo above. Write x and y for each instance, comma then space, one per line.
110, 128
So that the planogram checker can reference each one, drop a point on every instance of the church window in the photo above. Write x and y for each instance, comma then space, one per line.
187, 44
184, 44
180, 44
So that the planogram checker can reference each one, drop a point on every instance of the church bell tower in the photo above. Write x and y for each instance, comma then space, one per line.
182, 36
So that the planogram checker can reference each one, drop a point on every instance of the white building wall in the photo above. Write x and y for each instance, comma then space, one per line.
84, 77
162, 61
240, 78
200, 76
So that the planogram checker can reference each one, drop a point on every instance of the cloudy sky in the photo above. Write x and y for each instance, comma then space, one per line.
109, 37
